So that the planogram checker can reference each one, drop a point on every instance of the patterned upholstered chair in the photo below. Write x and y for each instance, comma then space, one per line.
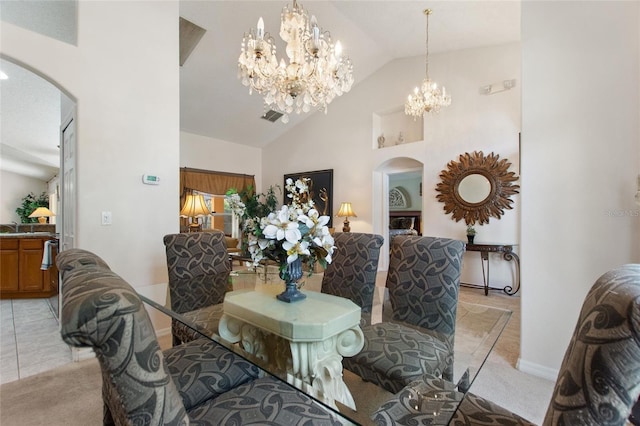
199, 267
198, 382
423, 282
599, 379
352, 272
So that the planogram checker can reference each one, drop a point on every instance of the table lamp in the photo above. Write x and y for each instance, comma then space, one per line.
42, 213
346, 211
194, 207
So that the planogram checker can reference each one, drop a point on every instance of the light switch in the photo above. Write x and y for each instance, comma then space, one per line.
106, 218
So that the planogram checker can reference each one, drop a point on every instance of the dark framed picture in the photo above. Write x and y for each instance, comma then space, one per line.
320, 190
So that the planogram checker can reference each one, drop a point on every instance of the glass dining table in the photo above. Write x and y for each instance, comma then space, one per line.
432, 400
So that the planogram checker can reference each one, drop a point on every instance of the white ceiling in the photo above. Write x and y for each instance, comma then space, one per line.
214, 103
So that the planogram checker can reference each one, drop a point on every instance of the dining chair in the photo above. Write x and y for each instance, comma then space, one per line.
423, 282
353, 269
199, 382
199, 267
599, 378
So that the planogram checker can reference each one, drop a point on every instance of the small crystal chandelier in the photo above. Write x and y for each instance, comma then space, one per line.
316, 73
428, 97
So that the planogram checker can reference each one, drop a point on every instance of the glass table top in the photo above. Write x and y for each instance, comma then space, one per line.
477, 330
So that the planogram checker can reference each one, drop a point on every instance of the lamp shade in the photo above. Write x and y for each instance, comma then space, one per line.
194, 206
42, 212
346, 210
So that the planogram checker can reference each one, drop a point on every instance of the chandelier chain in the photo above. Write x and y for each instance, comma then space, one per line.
428, 96
426, 60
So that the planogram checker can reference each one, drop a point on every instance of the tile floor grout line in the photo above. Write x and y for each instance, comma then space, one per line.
15, 339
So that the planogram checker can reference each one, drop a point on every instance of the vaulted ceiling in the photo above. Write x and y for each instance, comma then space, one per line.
214, 103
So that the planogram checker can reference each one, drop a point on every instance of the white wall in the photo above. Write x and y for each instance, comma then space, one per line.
201, 152
344, 140
580, 158
14, 188
124, 76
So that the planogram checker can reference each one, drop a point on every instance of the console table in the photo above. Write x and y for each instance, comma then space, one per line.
507, 254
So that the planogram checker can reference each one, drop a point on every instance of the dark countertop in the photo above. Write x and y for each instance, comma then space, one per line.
28, 235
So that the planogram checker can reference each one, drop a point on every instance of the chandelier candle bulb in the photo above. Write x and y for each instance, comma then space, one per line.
260, 29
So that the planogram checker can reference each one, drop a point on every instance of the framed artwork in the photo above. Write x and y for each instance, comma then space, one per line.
320, 190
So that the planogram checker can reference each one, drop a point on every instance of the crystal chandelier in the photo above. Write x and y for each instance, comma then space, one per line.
428, 97
316, 73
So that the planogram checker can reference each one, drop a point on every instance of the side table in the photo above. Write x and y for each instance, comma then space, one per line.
507, 254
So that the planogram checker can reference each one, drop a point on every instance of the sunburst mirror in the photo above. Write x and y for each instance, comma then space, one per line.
477, 187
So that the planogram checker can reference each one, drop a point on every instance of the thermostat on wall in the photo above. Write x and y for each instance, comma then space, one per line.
150, 179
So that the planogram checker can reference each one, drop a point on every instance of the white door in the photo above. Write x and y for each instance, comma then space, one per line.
68, 173
68, 205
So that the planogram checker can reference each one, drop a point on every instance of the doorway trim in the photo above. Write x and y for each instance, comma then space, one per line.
380, 189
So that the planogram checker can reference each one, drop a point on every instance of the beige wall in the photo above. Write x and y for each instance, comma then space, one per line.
345, 140
580, 158
201, 152
127, 99
13, 188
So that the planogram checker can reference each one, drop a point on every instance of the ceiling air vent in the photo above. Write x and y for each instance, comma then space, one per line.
272, 116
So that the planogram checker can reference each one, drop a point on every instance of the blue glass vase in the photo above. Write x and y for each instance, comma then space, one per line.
291, 274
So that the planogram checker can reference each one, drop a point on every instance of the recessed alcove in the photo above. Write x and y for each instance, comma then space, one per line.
393, 127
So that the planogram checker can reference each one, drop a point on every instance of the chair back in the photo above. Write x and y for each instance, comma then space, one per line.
424, 281
199, 267
352, 271
599, 379
100, 310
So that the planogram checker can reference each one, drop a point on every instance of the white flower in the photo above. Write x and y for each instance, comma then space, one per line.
281, 228
295, 249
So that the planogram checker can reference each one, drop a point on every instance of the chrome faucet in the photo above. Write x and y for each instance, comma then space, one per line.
16, 226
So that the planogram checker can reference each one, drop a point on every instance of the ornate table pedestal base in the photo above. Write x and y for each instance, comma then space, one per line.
314, 367
305, 340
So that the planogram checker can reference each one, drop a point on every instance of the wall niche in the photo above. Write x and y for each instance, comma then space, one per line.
394, 127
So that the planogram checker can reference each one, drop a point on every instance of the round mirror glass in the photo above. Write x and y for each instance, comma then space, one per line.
474, 188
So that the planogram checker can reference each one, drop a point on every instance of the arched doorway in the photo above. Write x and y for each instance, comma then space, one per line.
381, 177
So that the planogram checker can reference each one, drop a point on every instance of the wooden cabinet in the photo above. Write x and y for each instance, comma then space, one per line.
9, 260
20, 273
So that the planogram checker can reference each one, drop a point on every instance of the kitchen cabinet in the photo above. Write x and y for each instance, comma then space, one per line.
20, 272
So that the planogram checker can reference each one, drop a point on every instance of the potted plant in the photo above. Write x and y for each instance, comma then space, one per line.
471, 233
29, 203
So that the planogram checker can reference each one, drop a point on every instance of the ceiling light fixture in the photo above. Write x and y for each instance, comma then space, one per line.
316, 73
427, 97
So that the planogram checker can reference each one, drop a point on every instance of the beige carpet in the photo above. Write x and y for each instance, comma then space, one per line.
69, 395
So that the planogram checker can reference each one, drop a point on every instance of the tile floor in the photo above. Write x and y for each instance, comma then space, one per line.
30, 341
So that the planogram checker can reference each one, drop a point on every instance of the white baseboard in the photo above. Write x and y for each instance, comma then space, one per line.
537, 370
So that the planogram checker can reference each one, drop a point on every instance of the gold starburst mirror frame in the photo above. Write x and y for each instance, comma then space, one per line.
477, 187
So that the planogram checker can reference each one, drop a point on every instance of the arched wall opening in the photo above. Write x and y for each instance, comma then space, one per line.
380, 186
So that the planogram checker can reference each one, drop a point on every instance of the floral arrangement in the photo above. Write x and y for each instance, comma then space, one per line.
284, 234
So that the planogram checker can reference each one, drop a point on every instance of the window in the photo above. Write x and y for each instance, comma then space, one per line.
221, 218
